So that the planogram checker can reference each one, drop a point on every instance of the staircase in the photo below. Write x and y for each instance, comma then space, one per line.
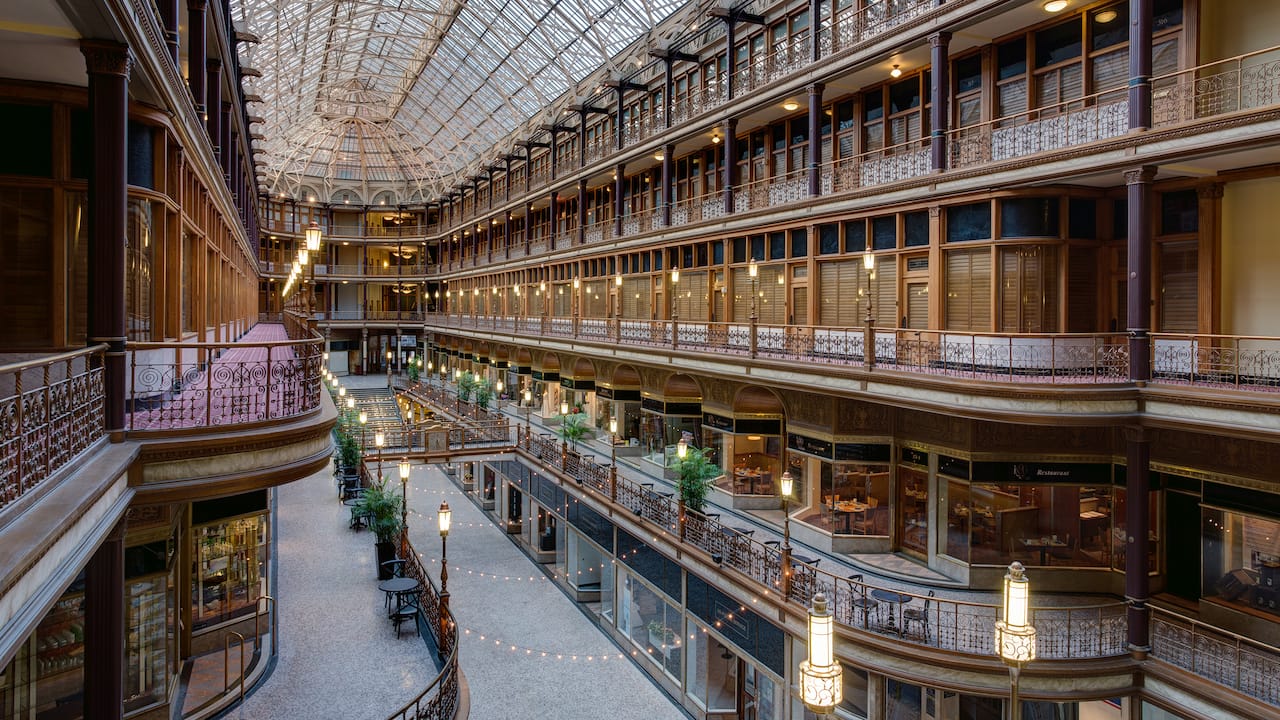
384, 414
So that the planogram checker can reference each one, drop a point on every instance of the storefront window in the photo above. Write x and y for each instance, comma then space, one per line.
913, 509
712, 670
659, 434
46, 676
231, 564
959, 513
1241, 560
585, 563
149, 622
1068, 525
653, 624
752, 464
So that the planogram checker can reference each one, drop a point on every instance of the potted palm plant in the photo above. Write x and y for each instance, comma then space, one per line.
573, 427
694, 473
466, 386
382, 507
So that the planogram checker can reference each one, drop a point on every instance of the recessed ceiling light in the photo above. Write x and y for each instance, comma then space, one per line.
1054, 6
896, 72
1105, 16
658, 155
790, 105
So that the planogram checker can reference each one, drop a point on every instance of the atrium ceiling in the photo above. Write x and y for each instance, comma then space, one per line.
359, 97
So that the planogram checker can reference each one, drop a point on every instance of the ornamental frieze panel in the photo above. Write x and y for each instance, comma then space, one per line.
937, 428
853, 417
1216, 453
1007, 437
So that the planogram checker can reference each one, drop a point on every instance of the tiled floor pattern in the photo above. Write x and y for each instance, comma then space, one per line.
339, 656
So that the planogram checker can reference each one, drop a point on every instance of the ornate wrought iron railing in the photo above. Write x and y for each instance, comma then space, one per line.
52, 409
177, 386
1237, 662
1229, 361
1075, 632
439, 700
1073, 123
1244, 82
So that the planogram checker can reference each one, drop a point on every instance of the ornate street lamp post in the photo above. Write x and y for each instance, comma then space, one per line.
787, 483
1015, 637
445, 518
404, 506
312, 236
613, 459
379, 439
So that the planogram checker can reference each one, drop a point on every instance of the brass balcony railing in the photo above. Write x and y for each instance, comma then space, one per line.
52, 409
262, 377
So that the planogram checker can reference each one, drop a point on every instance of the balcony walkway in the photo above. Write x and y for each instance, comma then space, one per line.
261, 375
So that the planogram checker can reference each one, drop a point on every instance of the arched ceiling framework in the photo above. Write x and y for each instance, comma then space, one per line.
414, 95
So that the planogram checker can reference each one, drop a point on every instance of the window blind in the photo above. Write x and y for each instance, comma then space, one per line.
968, 301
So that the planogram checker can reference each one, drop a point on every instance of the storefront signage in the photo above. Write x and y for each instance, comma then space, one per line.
523, 369
717, 422
575, 384
500, 364
953, 467
546, 376
762, 426
653, 405
810, 446
862, 452
688, 409
915, 457
1042, 473
607, 393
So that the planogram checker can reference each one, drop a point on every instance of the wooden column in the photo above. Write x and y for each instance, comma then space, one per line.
668, 180
815, 139
169, 19
107, 64
104, 629
1139, 64
213, 104
196, 14
619, 184
1138, 183
730, 162
582, 211
1137, 530
940, 93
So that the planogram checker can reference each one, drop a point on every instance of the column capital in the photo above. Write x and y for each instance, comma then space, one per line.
816, 88
1137, 434
105, 57
213, 65
939, 39
1211, 191
1144, 174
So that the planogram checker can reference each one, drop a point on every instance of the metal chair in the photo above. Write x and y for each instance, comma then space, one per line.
406, 612
866, 604
918, 616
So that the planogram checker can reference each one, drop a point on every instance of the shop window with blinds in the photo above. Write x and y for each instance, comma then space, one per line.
1011, 78
690, 298
562, 300
770, 295
873, 120
846, 130
884, 291
1059, 72
636, 300
799, 306
140, 242
906, 122
1082, 289
968, 301
844, 288
1029, 289
968, 90
595, 299
1178, 285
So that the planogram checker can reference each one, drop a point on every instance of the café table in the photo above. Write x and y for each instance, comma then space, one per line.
893, 599
399, 587
1043, 544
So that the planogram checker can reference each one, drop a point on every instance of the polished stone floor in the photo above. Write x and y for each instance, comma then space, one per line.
338, 653
527, 651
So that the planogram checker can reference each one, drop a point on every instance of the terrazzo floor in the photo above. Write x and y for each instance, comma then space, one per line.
338, 653
526, 651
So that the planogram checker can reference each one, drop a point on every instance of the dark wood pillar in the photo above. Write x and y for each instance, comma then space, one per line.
618, 130
1139, 64
506, 161
528, 226
107, 64
668, 182
1138, 265
169, 19
582, 136
552, 210
730, 162
104, 629
213, 104
227, 143
1138, 527
619, 184
815, 138
555, 141
196, 50
815, 39
668, 84
582, 211
939, 94
730, 38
